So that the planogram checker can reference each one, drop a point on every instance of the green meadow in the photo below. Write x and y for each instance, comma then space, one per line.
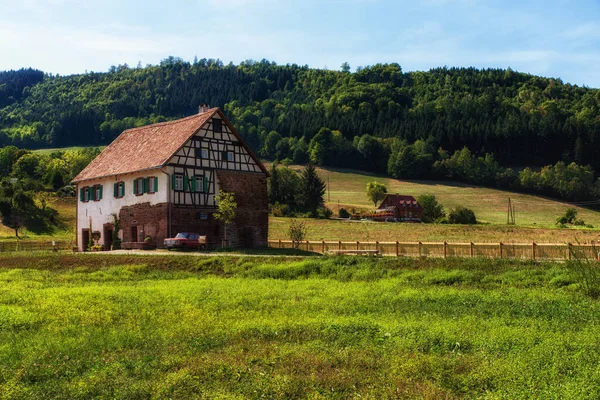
107, 326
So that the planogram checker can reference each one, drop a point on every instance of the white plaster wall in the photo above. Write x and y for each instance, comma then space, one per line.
101, 211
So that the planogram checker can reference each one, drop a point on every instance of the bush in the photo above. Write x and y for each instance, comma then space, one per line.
280, 210
343, 213
432, 210
462, 215
297, 232
324, 213
568, 217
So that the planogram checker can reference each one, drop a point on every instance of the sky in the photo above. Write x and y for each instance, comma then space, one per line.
553, 38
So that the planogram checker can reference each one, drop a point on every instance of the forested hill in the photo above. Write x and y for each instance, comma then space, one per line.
520, 118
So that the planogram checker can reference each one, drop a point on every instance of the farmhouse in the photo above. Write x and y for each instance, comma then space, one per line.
162, 179
405, 208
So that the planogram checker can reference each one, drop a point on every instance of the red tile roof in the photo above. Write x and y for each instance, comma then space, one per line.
150, 147
398, 200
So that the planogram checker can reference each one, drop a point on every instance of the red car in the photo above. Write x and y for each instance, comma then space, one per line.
186, 240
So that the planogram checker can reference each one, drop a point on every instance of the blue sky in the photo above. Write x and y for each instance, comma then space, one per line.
551, 38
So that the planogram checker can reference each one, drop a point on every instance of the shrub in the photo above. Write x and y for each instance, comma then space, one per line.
568, 217
280, 210
297, 232
432, 210
324, 213
343, 213
462, 215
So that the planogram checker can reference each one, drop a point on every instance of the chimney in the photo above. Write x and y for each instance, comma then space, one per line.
203, 108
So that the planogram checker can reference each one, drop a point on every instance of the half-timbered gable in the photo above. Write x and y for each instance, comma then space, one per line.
194, 167
174, 171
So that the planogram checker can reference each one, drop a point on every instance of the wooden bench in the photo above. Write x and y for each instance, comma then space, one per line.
357, 252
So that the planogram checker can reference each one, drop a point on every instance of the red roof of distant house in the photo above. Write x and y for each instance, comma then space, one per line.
150, 147
398, 200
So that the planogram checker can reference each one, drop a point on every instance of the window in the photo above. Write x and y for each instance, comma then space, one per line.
139, 186
152, 184
198, 184
201, 153
227, 156
96, 194
178, 182
84, 194
119, 190
217, 125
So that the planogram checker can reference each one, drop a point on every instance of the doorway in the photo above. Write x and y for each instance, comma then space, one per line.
85, 239
134, 234
108, 236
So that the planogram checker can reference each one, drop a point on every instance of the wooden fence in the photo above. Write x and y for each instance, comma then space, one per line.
524, 251
33, 245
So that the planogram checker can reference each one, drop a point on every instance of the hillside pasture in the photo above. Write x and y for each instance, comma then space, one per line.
97, 326
347, 188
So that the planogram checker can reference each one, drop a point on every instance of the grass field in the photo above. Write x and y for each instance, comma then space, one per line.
490, 205
97, 326
320, 229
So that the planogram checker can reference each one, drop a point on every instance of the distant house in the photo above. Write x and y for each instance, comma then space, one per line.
405, 208
162, 179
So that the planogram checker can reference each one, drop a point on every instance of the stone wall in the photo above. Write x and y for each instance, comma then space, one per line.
151, 220
251, 225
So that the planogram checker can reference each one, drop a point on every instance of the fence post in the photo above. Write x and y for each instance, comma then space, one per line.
339, 245
472, 250
357, 245
419, 249
279, 243
500, 249
376, 245
445, 249
397, 254
307, 245
323, 247
533, 250
568, 250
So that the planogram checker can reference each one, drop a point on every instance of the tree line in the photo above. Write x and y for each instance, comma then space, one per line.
379, 115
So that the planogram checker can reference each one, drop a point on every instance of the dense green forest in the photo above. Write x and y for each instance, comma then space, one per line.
461, 123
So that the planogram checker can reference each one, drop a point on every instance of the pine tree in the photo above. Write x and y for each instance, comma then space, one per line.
313, 189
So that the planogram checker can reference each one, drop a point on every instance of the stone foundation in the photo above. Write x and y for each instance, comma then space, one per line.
149, 220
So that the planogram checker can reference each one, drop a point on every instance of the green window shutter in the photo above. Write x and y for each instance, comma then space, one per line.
156, 184
123, 190
144, 185
206, 184
135, 186
194, 188
115, 189
173, 181
81, 194
100, 193
185, 183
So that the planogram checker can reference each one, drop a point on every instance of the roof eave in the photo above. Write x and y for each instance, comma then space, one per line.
76, 181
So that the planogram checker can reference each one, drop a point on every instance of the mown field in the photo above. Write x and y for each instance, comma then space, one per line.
98, 326
347, 187
320, 229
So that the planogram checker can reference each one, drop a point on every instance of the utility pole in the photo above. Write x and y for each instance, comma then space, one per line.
510, 215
